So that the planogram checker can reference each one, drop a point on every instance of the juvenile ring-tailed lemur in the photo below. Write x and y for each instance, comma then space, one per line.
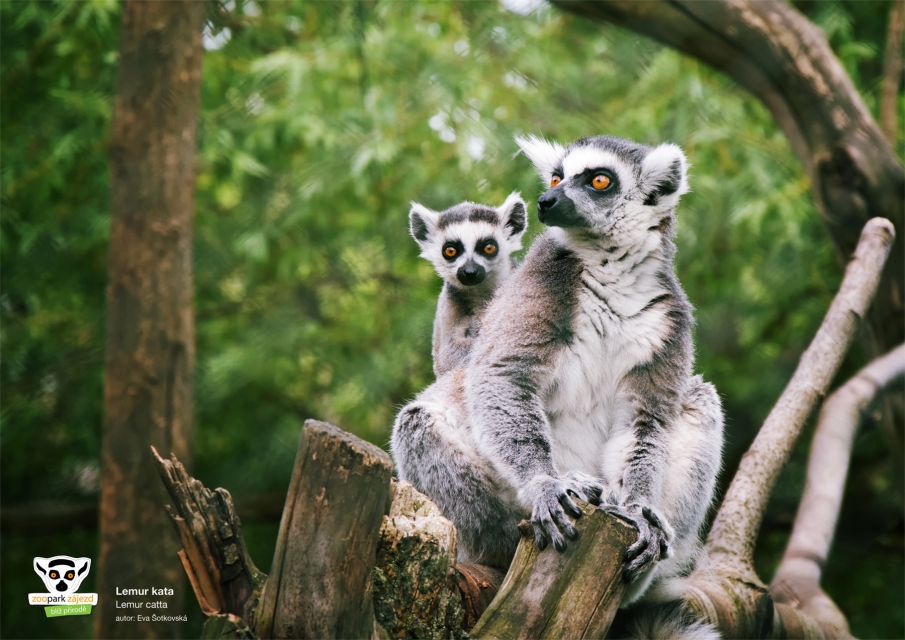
580, 381
471, 247
471, 274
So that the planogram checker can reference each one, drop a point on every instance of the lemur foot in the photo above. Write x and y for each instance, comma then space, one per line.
584, 487
652, 545
551, 503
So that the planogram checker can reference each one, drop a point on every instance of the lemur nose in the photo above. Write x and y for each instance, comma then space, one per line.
547, 201
471, 274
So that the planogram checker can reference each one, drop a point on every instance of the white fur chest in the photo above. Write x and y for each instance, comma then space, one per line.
615, 329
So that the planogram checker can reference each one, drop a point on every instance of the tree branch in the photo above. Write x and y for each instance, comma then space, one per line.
797, 581
731, 540
724, 588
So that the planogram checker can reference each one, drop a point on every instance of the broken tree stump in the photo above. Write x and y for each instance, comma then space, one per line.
416, 592
572, 594
222, 574
419, 590
321, 580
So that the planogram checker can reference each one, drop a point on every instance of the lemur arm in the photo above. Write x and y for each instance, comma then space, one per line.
656, 390
523, 329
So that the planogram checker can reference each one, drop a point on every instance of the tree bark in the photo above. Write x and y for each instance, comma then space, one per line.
321, 580
150, 329
892, 70
222, 574
776, 53
570, 594
416, 594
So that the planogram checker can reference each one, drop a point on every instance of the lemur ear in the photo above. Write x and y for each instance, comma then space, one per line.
422, 223
515, 212
84, 568
38, 568
664, 175
544, 155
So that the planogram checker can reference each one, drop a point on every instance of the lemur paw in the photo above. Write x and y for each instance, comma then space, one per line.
652, 545
551, 502
584, 487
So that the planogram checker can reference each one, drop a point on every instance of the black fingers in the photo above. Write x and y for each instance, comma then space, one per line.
570, 506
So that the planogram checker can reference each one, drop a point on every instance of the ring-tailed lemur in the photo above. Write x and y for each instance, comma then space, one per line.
482, 240
471, 247
580, 381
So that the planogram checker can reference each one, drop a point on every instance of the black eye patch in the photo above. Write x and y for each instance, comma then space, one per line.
487, 247
586, 177
452, 250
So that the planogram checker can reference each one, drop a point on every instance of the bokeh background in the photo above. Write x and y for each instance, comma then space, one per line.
320, 122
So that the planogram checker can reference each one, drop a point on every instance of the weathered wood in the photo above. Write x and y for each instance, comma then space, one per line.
415, 581
571, 594
321, 581
222, 574
478, 585
226, 627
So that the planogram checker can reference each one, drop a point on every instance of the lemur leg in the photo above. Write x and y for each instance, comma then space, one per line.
695, 451
438, 459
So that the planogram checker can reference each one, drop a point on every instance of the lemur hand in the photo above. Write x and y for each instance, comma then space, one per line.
654, 534
584, 487
550, 503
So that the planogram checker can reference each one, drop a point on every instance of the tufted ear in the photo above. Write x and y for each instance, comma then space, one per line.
514, 212
544, 155
39, 569
664, 176
85, 566
422, 223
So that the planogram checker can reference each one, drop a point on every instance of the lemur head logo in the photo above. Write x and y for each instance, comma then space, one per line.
62, 574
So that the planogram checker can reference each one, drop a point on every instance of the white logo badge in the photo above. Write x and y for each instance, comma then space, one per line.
62, 576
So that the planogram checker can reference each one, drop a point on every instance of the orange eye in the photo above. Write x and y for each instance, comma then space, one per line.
555, 180
489, 249
54, 575
70, 575
450, 252
600, 182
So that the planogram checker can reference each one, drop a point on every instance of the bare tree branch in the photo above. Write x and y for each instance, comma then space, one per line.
735, 529
798, 579
773, 51
892, 69
724, 588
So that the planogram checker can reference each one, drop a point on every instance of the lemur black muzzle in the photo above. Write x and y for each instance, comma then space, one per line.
556, 209
471, 274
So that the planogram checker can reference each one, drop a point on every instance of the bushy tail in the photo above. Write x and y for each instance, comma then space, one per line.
662, 622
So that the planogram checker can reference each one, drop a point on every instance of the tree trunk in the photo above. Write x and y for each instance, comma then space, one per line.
570, 594
150, 329
778, 55
321, 581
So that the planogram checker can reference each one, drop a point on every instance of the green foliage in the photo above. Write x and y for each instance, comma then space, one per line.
320, 122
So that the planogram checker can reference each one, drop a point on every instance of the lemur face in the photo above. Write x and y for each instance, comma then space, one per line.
603, 184
469, 243
62, 574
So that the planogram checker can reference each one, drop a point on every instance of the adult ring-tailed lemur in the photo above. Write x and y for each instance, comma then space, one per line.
580, 380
